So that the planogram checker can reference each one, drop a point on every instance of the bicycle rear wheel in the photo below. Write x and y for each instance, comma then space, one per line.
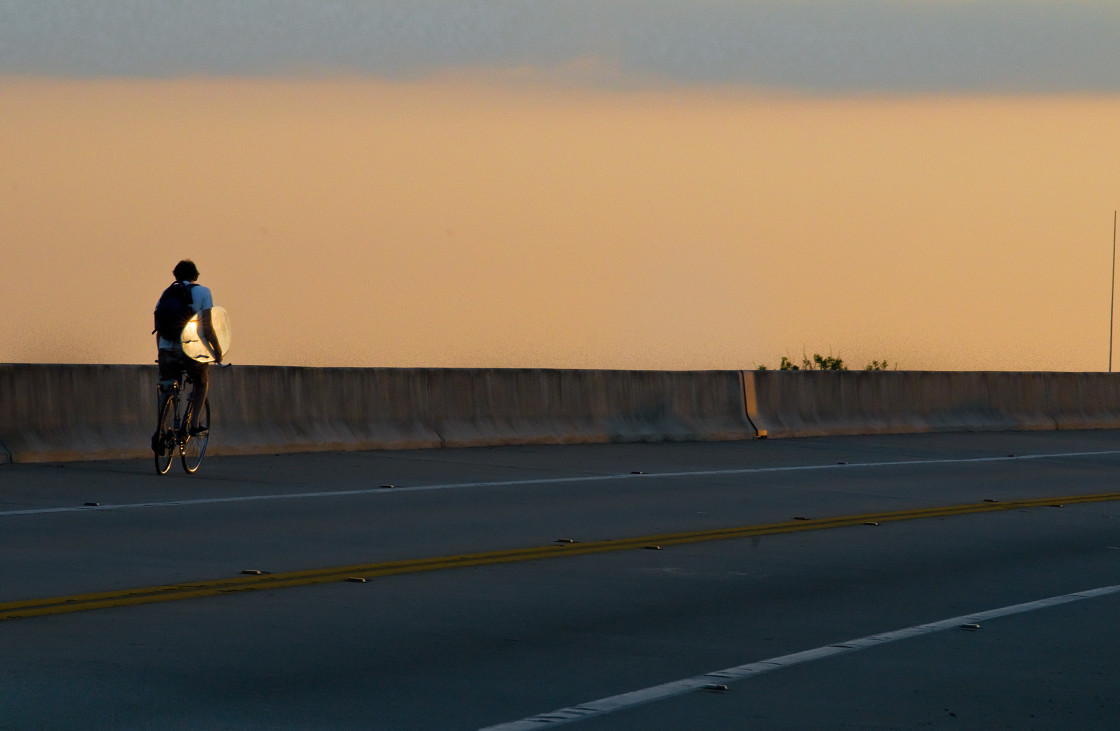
163, 441
194, 447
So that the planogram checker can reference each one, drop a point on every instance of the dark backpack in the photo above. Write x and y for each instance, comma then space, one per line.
173, 310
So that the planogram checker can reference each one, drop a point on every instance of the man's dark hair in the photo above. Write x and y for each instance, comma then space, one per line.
185, 271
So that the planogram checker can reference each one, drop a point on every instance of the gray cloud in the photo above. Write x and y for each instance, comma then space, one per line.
832, 46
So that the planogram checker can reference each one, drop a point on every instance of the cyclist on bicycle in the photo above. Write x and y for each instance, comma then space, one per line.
192, 298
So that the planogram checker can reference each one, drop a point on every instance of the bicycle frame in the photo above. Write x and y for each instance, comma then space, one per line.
173, 427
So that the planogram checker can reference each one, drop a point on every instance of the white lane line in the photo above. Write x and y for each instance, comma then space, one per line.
623, 701
552, 481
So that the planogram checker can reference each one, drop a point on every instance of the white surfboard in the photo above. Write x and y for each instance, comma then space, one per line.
197, 347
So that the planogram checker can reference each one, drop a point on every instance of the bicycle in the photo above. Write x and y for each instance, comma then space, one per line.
174, 433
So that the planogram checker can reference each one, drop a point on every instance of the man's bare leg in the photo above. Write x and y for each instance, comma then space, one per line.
198, 395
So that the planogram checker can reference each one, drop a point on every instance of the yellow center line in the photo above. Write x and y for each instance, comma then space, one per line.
198, 589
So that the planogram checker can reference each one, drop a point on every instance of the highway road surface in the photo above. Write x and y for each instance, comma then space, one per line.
957, 581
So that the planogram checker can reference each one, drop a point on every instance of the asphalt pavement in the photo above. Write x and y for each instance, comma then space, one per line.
803, 583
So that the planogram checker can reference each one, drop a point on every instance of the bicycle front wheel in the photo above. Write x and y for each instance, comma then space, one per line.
194, 447
163, 441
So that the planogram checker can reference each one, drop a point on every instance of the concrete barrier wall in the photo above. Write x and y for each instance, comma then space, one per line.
69, 412
75, 412
812, 403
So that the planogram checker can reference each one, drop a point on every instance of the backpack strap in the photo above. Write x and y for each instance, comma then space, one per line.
187, 287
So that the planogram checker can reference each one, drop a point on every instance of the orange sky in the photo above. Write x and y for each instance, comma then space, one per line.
463, 222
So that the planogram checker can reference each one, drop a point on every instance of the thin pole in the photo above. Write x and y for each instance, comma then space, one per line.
1112, 302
